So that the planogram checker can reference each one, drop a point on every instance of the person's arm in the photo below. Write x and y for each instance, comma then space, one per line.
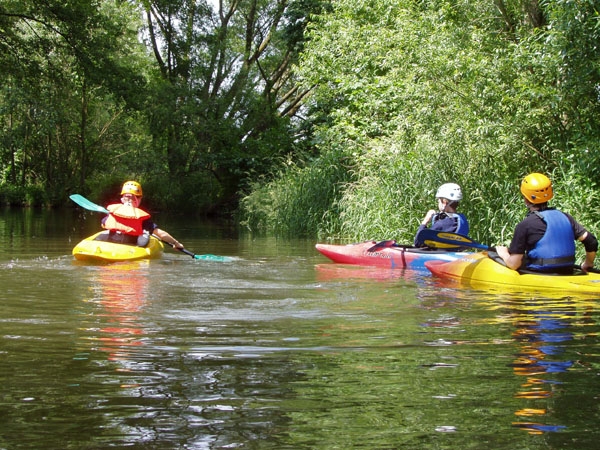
426, 220
164, 236
590, 243
513, 261
513, 256
428, 217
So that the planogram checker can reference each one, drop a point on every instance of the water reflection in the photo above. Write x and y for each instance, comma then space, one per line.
333, 272
543, 328
128, 390
121, 289
542, 334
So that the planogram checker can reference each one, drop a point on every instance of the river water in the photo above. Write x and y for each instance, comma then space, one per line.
276, 349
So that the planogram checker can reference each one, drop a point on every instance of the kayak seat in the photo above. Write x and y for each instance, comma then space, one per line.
125, 239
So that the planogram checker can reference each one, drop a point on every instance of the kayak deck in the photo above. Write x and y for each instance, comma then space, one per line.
98, 248
386, 254
477, 270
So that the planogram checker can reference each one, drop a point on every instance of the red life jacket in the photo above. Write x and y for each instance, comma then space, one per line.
125, 219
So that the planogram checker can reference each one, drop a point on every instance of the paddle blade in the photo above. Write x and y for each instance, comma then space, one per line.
215, 258
442, 239
207, 257
85, 203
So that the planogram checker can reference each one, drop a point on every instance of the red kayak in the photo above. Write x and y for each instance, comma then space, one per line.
386, 254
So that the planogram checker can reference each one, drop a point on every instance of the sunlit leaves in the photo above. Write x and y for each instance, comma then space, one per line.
228, 67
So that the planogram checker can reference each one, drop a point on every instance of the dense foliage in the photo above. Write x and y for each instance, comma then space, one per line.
190, 97
410, 94
69, 71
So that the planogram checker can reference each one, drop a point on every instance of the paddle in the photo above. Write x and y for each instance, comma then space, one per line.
444, 239
382, 244
85, 203
387, 244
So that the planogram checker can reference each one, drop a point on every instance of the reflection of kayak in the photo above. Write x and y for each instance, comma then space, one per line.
336, 272
384, 254
477, 270
97, 248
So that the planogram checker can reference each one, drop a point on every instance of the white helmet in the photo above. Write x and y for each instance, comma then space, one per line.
449, 191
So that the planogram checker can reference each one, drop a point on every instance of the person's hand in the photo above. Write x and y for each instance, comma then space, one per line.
586, 266
428, 217
178, 245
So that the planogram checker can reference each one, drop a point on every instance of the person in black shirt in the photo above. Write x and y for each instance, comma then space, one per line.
545, 240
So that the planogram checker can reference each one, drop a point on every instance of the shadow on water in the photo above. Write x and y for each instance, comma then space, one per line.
278, 349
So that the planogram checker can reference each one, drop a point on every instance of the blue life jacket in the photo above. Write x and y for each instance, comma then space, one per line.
556, 249
462, 224
461, 227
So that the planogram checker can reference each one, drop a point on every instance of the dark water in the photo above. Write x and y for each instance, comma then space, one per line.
278, 349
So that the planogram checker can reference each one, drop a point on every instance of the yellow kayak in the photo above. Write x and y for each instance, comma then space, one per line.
477, 270
98, 248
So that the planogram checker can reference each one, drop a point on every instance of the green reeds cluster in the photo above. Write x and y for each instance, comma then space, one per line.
300, 200
384, 192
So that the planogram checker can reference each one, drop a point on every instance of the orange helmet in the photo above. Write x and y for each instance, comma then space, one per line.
537, 188
132, 187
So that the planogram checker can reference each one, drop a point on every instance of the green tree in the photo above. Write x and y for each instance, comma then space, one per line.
219, 103
226, 97
70, 70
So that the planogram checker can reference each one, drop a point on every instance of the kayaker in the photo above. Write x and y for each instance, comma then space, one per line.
446, 219
129, 224
545, 240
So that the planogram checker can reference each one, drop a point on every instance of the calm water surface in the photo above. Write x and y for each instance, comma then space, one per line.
277, 349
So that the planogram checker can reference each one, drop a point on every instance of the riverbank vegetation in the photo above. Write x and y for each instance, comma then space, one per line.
307, 117
414, 94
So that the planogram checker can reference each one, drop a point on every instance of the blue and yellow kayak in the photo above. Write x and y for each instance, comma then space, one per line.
98, 248
479, 271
